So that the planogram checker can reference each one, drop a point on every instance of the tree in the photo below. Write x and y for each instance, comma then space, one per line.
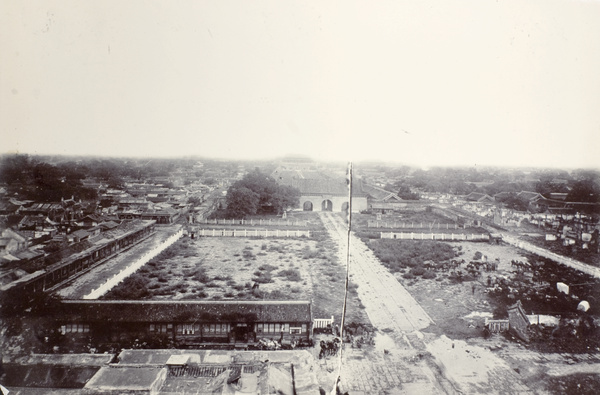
241, 201
14, 169
405, 193
584, 191
547, 187
195, 200
513, 202
259, 193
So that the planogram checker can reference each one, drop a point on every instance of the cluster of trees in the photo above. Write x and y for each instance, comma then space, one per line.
46, 179
44, 182
258, 193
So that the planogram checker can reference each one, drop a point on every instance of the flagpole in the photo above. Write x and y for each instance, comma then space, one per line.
349, 228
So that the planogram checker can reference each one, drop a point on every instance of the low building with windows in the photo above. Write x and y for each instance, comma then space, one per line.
186, 322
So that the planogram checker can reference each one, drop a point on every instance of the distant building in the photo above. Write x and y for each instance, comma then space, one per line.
480, 198
383, 201
12, 242
321, 192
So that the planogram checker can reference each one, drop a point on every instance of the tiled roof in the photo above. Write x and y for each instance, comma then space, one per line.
311, 182
380, 193
29, 254
200, 311
81, 233
8, 206
285, 175
319, 187
529, 195
108, 225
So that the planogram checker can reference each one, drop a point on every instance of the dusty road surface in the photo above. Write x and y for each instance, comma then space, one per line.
91, 280
406, 359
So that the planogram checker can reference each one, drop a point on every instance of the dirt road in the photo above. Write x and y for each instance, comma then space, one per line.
430, 363
398, 310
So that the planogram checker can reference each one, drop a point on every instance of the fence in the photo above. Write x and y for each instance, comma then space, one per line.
250, 233
116, 279
252, 222
322, 323
497, 326
411, 225
592, 271
435, 236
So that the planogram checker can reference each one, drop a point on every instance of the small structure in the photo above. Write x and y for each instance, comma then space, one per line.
177, 361
562, 287
583, 306
518, 321
121, 380
496, 326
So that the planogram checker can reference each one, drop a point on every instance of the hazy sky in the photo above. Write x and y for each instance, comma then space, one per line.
478, 82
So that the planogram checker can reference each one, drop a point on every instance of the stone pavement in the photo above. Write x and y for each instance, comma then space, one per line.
374, 372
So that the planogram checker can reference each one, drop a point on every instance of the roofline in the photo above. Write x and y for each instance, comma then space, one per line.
188, 302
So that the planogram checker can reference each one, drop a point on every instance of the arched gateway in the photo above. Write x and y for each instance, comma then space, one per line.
327, 205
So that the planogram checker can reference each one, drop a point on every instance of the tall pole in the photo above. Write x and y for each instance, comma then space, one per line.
349, 228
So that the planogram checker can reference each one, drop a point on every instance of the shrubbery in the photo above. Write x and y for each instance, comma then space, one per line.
290, 274
134, 287
398, 254
262, 277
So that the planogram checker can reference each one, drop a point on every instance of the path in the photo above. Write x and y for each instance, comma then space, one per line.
88, 282
416, 362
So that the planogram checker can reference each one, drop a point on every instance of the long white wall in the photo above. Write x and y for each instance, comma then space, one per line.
128, 271
434, 236
252, 233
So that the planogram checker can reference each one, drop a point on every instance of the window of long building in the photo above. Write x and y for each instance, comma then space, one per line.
272, 328
186, 329
74, 328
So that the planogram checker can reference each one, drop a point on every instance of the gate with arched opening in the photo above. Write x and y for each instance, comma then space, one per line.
327, 205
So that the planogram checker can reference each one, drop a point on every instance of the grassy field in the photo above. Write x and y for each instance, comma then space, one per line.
214, 268
225, 268
360, 221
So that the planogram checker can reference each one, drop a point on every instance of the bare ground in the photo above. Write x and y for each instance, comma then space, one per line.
450, 355
459, 313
